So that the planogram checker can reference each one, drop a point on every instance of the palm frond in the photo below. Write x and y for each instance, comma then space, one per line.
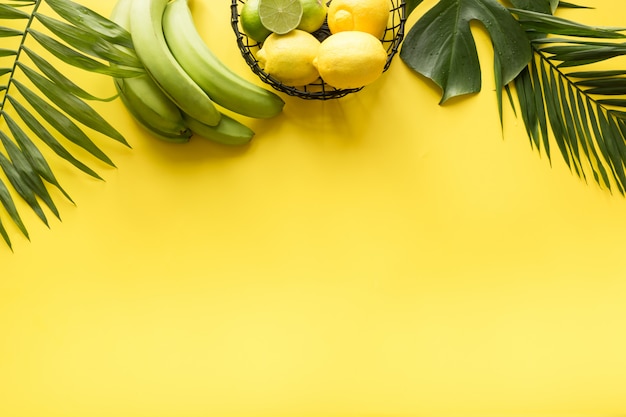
40, 106
565, 92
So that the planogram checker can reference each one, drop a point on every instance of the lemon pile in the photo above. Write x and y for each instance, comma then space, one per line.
351, 57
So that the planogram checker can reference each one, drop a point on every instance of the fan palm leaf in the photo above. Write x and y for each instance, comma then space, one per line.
41, 106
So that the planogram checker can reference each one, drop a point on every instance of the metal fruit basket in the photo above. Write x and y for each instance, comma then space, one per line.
318, 90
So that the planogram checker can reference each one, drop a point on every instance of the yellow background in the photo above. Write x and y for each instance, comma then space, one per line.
374, 256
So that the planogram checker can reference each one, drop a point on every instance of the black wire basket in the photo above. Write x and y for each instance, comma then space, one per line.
318, 90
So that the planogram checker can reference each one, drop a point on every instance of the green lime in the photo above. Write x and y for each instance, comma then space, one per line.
280, 16
313, 15
251, 22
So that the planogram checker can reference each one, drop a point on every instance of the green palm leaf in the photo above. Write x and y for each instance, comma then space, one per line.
40, 106
10, 12
90, 42
92, 22
6, 32
581, 107
58, 78
32, 154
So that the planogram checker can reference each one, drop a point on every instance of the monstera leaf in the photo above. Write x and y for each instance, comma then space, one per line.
440, 45
40, 106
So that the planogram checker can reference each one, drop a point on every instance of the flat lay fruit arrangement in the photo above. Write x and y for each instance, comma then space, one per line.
559, 75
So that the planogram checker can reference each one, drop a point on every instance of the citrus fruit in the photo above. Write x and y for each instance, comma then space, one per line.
313, 14
369, 16
251, 22
289, 57
280, 16
350, 59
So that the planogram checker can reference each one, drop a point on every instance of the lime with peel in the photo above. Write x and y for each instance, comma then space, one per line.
313, 15
251, 21
280, 16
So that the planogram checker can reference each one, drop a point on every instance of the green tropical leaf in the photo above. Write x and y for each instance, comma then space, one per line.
7, 52
79, 60
596, 73
10, 207
62, 123
604, 86
45, 136
587, 127
440, 45
542, 6
41, 106
20, 184
61, 80
612, 102
33, 156
6, 32
90, 42
88, 20
10, 12
411, 5
5, 235
27, 173
547, 23
568, 5
573, 52
72, 105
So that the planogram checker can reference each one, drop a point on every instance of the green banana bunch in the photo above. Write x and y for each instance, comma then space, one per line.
227, 132
146, 30
186, 87
153, 109
225, 87
145, 100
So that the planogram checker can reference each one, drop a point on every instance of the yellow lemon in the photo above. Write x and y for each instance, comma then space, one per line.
289, 57
369, 16
350, 59
251, 21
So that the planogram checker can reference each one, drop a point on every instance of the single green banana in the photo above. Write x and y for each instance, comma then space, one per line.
224, 86
227, 132
147, 34
144, 99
